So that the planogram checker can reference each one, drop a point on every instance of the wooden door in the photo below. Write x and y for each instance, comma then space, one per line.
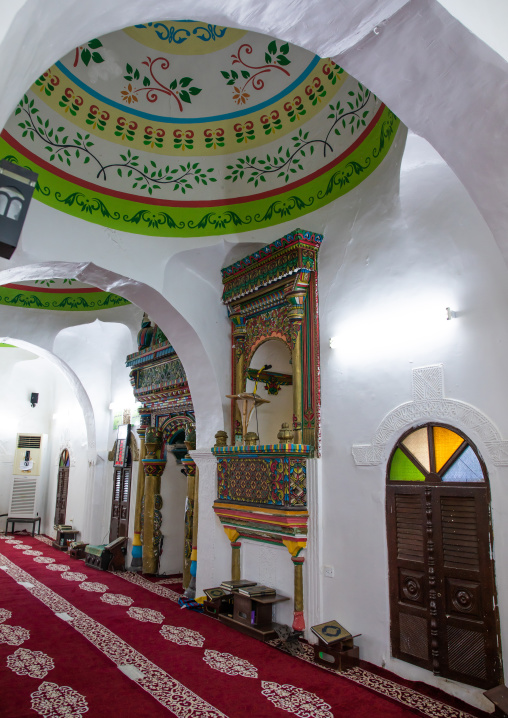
442, 589
119, 525
62, 488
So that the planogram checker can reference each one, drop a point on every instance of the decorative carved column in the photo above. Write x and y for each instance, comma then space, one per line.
137, 544
190, 470
233, 536
152, 517
296, 300
294, 549
239, 334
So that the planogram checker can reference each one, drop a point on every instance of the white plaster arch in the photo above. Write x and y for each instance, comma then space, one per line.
77, 388
441, 81
200, 372
429, 404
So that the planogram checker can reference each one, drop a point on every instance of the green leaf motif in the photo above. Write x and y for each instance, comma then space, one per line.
86, 56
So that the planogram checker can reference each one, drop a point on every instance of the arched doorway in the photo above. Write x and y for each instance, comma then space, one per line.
62, 488
442, 588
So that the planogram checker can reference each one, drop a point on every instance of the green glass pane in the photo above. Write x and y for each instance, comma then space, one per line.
402, 469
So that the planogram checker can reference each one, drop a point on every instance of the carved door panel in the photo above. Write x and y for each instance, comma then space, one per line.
466, 617
62, 488
119, 525
409, 591
442, 584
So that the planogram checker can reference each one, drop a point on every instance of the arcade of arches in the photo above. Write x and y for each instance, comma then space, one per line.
224, 221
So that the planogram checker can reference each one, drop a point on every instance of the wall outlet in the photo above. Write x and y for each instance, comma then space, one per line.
329, 571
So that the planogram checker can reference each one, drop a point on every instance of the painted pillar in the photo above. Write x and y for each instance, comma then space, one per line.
298, 619
137, 540
191, 589
233, 536
294, 549
190, 470
239, 334
152, 517
296, 313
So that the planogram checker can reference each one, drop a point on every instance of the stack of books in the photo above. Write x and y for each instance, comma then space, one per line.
257, 591
63, 527
235, 585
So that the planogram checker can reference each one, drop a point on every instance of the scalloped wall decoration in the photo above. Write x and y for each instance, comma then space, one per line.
429, 404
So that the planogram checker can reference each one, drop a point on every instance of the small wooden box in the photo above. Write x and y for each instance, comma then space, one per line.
222, 604
78, 550
341, 655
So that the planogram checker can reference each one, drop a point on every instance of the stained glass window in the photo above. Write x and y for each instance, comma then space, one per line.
435, 453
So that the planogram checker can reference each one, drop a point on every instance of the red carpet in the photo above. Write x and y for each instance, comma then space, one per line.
180, 662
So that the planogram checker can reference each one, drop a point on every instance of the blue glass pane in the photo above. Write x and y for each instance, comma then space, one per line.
466, 468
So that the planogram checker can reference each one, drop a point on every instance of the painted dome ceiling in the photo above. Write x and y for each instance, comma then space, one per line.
187, 129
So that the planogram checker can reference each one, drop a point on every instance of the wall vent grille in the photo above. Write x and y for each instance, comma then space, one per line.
24, 491
29, 442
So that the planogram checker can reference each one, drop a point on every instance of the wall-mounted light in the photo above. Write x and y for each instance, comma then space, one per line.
34, 398
334, 342
450, 314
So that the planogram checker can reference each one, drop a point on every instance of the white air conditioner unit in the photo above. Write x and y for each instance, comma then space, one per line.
25, 482
27, 457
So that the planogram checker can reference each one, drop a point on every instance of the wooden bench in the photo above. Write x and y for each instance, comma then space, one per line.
16, 520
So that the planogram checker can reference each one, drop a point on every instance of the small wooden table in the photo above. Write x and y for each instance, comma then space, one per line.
253, 616
17, 520
64, 535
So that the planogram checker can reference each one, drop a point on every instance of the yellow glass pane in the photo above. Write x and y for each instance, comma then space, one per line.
418, 445
445, 443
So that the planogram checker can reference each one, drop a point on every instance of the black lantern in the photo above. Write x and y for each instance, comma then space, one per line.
17, 185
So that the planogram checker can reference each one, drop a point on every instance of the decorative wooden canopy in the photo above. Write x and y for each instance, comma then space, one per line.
272, 294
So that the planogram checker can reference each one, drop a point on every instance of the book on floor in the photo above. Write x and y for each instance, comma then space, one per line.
330, 632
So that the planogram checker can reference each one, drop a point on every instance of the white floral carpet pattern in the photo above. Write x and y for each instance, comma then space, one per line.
295, 700
58, 567
73, 576
54, 701
229, 664
182, 636
168, 691
146, 615
31, 552
25, 662
44, 559
117, 599
5, 614
13, 635
93, 586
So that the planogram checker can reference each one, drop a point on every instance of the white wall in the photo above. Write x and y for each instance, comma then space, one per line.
22, 373
173, 492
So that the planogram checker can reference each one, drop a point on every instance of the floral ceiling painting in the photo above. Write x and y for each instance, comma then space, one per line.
67, 295
185, 129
